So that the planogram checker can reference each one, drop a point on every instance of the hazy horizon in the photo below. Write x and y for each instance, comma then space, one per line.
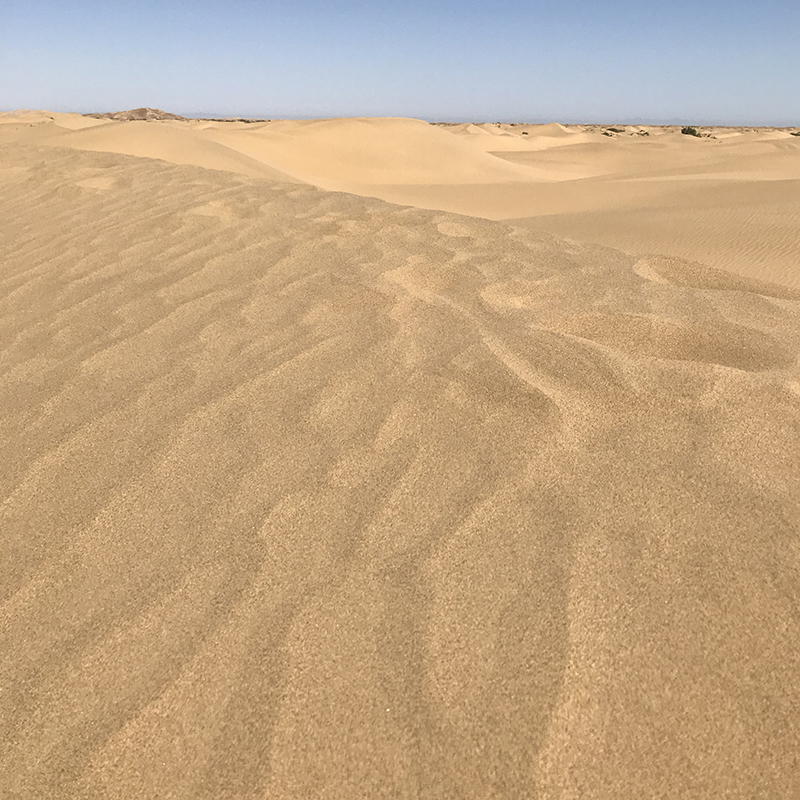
433, 120
721, 64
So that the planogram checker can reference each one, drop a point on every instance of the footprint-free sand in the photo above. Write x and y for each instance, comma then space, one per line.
306, 494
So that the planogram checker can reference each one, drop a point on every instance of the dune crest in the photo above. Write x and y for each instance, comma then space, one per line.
359, 154
727, 198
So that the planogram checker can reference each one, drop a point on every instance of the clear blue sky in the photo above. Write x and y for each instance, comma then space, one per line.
706, 61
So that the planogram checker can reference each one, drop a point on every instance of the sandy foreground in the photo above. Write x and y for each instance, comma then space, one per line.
310, 495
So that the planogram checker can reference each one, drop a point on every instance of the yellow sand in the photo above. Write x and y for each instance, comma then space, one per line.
307, 495
730, 200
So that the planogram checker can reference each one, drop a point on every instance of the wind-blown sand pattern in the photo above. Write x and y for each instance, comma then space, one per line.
730, 200
308, 495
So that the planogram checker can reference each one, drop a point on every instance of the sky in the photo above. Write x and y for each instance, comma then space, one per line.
673, 61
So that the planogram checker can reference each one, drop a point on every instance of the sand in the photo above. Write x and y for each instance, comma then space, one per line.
728, 199
310, 495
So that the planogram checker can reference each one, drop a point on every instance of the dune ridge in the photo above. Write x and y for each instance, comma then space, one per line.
728, 198
310, 495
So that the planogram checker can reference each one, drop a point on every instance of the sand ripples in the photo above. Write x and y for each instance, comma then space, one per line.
307, 495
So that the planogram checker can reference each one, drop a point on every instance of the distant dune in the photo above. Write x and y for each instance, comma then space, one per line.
727, 198
306, 494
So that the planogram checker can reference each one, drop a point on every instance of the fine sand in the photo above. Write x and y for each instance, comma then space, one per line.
310, 495
729, 199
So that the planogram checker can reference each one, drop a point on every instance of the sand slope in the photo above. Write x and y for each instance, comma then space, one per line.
732, 204
497, 137
731, 201
363, 154
340, 154
178, 145
308, 495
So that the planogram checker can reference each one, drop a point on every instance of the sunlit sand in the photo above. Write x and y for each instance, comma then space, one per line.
309, 494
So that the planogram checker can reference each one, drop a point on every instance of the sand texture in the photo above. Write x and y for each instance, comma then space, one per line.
729, 199
309, 495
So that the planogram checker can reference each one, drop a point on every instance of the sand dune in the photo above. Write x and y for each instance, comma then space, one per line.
499, 138
733, 204
754, 229
729, 200
346, 154
24, 117
362, 154
178, 145
309, 495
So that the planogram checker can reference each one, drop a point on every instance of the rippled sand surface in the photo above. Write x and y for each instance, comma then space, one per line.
307, 495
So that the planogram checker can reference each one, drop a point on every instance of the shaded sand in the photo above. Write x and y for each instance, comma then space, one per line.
307, 495
730, 200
